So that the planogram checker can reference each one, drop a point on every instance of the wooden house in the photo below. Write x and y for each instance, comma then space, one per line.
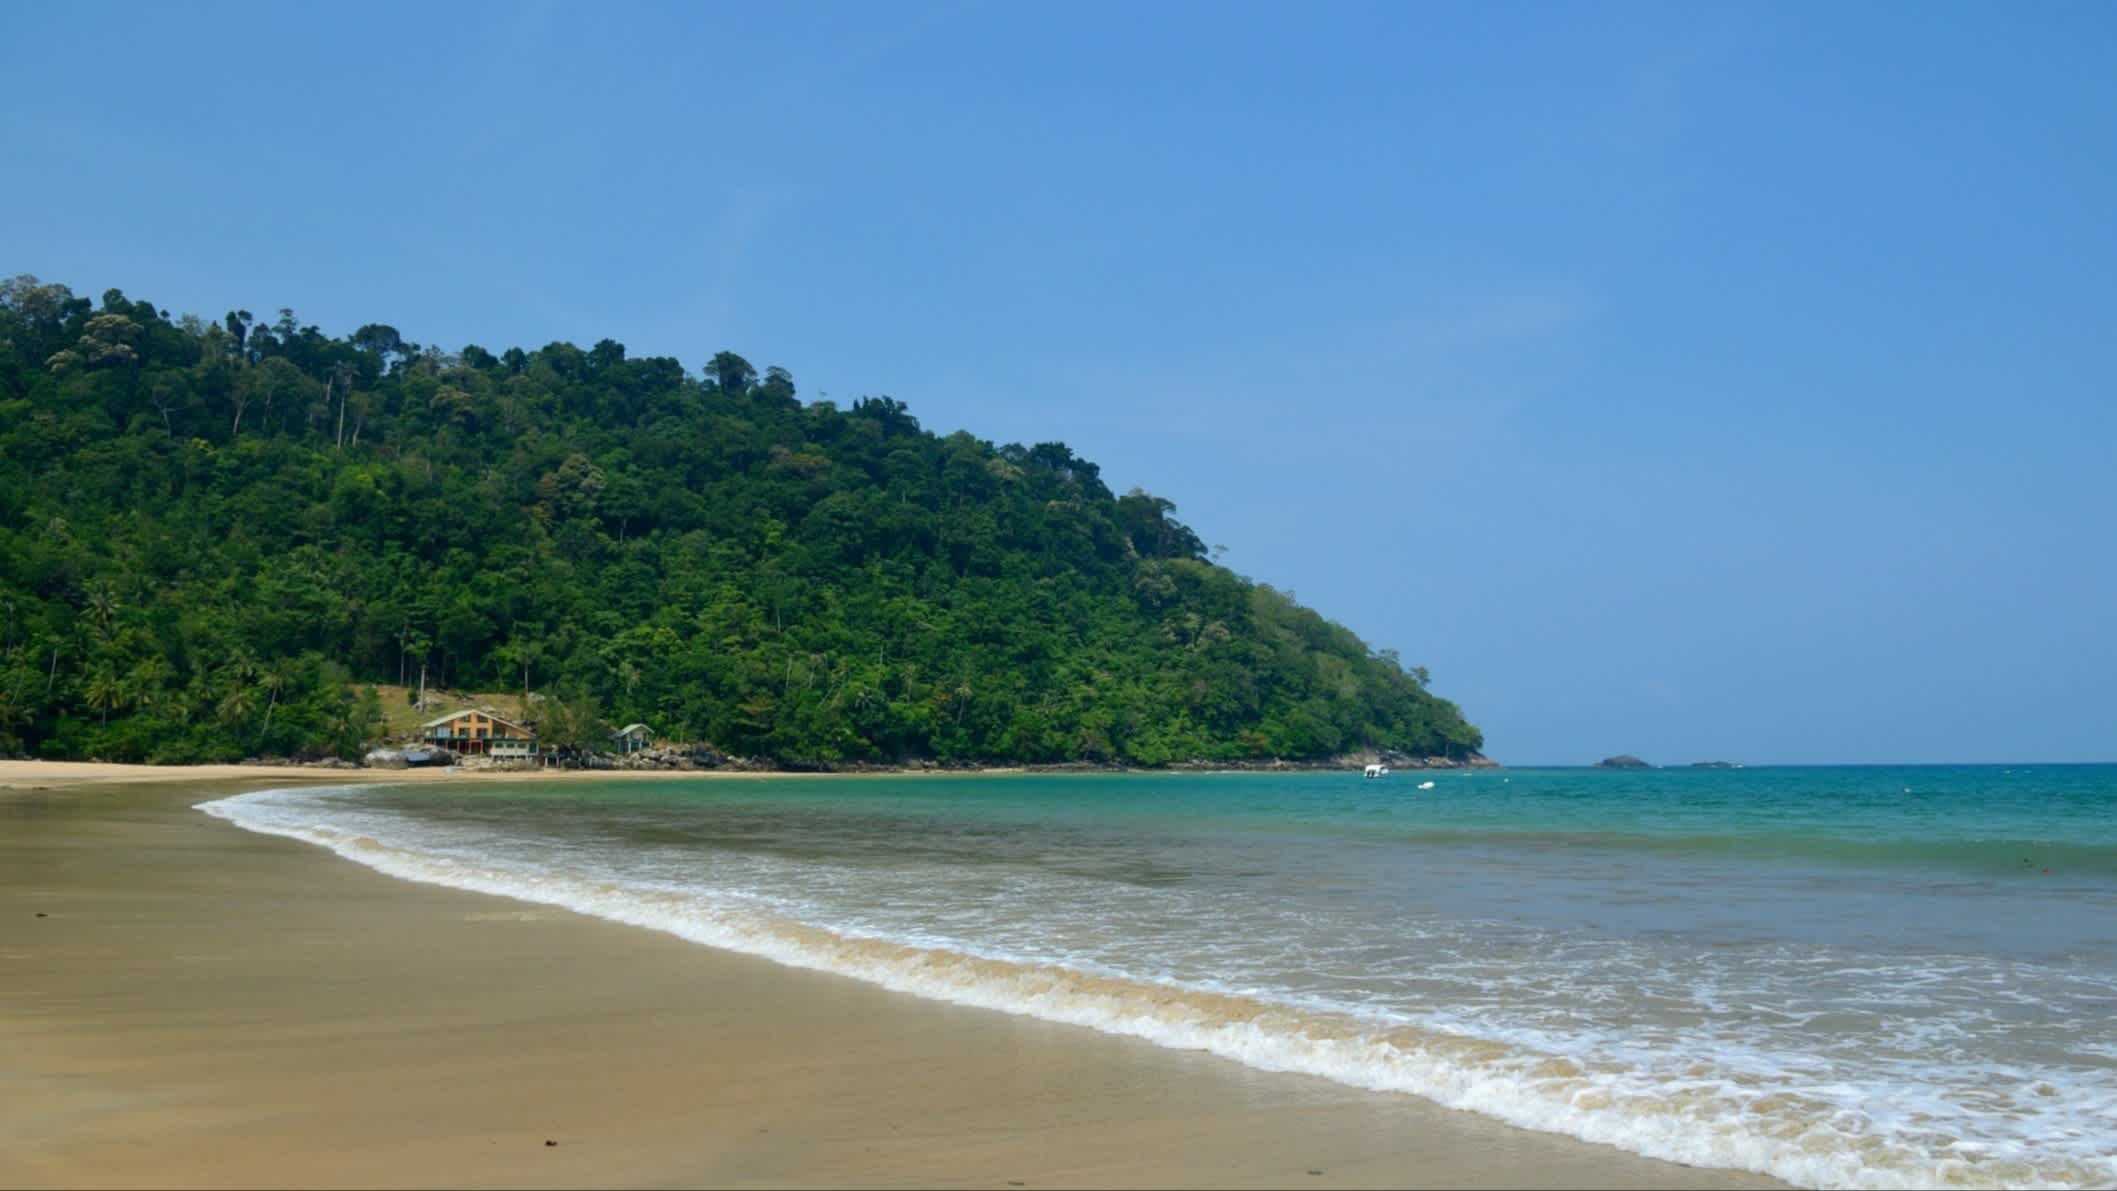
475, 733
631, 738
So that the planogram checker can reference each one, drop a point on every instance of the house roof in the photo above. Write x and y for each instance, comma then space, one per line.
457, 715
629, 729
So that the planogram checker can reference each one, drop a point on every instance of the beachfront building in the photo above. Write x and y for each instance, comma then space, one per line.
631, 738
475, 733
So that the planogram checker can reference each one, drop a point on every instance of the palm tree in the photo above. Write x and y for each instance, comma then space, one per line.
274, 680
158, 703
234, 706
242, 663
106, 690
102, 605
345, 724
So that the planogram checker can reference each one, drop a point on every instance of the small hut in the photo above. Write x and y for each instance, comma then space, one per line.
631, 738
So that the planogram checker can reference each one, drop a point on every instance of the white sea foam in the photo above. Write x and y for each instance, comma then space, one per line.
1707, 1100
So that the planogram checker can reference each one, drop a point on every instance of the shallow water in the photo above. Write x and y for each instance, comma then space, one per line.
1839, 976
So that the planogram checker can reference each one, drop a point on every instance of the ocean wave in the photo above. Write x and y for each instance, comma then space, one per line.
1701, 1108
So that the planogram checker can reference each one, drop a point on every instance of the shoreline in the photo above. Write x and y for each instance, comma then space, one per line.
198, 1004
18, 775
63, 776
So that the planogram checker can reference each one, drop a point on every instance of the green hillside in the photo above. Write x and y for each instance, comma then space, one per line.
215, 536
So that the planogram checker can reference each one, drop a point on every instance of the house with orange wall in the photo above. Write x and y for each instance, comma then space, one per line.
475, 733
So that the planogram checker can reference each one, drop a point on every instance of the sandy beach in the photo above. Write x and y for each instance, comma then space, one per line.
31, 776
184, 1003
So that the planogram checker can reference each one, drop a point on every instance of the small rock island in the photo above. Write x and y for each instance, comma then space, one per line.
1622, 761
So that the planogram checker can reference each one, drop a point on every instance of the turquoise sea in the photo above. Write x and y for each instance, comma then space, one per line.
1845, 977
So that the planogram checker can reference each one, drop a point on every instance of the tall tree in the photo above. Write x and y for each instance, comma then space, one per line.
731, 372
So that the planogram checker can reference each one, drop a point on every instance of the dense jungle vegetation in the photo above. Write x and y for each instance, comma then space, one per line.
215, 536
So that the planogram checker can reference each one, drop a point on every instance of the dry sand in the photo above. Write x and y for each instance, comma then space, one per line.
21, 776
186, 1004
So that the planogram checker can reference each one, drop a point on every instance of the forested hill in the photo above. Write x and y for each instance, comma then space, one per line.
215, 536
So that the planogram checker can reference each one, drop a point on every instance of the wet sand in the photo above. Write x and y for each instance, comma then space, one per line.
198, 1005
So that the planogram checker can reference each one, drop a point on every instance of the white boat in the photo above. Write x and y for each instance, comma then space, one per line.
1376, 771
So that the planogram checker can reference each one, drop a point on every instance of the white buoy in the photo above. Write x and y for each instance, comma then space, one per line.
1425, 785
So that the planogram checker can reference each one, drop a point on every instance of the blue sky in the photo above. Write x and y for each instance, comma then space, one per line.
1697, 381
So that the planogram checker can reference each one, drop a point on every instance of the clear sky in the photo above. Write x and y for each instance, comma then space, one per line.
1697, 380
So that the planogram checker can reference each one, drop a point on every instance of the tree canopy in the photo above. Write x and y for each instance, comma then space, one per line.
216, 535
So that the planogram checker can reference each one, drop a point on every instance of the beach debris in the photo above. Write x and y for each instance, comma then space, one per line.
1315, 1172
549, 1142
42, 914
1016, 1183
